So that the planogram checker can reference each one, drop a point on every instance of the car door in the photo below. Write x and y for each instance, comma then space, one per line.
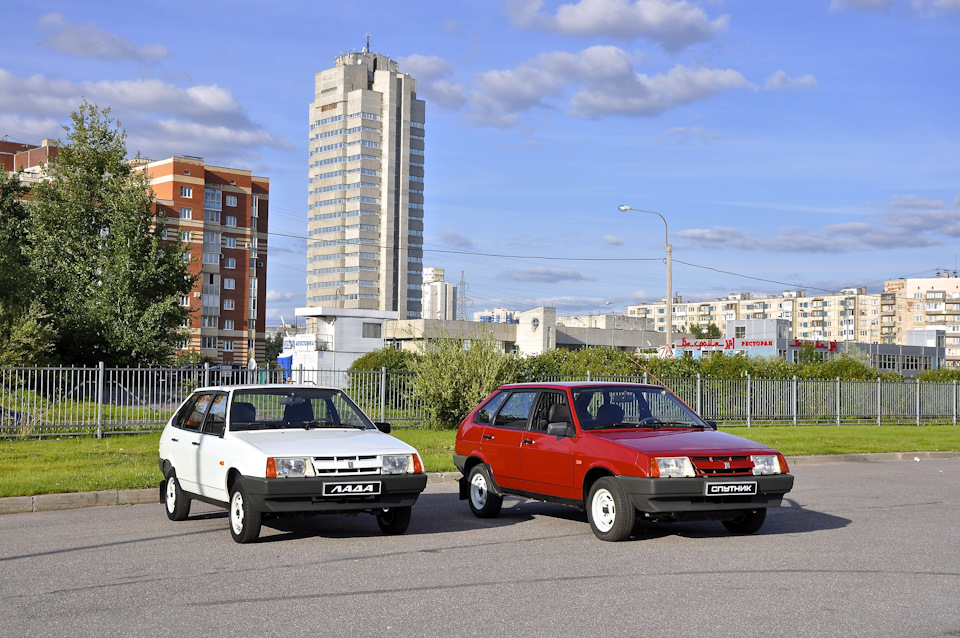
500, 442
547, 460
212, 463
185, 442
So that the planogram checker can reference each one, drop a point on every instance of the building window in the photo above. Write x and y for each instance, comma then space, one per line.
186, 191
208, 322
230, 262
211, 216
372, 331
211, 258
254, 205
228, 346
740, 332
212, 198
185, 236
229, 304
231, 200
228, 324
184, 301
185, 213
229, 284
208, 343
231, 220
230, 242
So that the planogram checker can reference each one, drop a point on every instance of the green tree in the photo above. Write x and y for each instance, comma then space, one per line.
393, 359
452, 376
272, 347
101, 268
711, 331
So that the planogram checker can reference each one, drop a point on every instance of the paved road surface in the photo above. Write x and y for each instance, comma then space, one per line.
861, 549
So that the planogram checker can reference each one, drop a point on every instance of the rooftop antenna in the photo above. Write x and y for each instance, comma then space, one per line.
366, 49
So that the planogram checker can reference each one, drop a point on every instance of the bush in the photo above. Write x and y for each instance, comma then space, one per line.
452, 376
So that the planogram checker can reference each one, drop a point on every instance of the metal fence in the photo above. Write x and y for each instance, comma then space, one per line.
101, 400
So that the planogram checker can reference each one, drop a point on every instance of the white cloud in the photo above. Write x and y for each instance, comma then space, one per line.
161, 119
276, 295
906, 222
674, 24
934, 8
433, 80
90, 41
455, 239
543, 274
780, 82
612, 240
602, 82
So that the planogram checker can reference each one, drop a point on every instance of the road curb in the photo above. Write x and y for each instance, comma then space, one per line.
77, 500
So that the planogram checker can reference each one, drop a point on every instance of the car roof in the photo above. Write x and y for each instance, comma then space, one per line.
266, 386
579, 384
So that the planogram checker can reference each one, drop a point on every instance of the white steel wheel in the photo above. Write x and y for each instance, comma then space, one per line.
244, 520
177, 503
604, 510
609, 510
484, 503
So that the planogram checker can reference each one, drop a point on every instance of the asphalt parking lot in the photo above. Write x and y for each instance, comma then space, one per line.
860, 549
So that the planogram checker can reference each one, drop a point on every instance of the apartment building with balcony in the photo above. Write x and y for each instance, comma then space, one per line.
221, 214
365, 188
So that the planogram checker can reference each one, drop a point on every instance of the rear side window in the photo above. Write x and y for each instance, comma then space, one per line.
516, 410
484, 416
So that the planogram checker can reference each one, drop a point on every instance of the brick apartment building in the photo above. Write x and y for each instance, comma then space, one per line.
222, 213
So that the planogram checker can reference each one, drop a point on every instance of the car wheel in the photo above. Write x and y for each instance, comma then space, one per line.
244, 520
176, 502
484, 502
749, 523
610, 512
394, 520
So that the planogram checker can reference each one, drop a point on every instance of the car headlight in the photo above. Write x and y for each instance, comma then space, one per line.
289, 467
765, 464
672, 467
397, 463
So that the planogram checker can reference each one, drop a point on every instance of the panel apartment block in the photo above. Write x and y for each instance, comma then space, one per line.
365, 191
222, 216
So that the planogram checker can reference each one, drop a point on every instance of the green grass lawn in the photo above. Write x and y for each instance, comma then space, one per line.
83, 464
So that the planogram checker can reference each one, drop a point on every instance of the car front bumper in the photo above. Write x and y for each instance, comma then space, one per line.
288, 495
688, 496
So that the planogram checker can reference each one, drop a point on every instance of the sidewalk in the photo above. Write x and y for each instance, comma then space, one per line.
75, 500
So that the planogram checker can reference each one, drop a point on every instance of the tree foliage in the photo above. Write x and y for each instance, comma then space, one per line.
392, 359
103, 275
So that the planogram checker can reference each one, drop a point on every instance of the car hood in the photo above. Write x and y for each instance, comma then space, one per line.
683, 442
323, 442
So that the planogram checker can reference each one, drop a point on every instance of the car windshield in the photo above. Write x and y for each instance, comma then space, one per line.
272, 408
604, 407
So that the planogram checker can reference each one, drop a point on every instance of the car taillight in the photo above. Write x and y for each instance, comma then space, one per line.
271, 468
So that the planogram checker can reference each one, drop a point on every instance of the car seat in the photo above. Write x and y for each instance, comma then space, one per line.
609, 414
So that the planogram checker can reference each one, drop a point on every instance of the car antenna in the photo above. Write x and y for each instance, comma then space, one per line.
664, 385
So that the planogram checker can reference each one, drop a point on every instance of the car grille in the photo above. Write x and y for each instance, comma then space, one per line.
346, 465
723, 465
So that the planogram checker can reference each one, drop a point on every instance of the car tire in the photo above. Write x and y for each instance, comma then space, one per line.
176, 503
394, 520
484, 502
610, 512
749, 523
244, 520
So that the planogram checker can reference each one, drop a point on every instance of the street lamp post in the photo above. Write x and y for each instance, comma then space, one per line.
666, 235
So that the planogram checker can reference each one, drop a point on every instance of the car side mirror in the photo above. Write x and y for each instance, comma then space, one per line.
712, 424
383, 427
561, 428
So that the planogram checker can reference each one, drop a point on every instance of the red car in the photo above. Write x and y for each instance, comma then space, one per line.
616, 450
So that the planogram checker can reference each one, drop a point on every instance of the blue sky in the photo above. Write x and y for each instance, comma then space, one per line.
791, 144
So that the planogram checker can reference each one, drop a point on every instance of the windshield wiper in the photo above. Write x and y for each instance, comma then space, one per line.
306, 425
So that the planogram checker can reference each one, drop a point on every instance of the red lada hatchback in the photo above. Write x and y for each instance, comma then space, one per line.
615, 450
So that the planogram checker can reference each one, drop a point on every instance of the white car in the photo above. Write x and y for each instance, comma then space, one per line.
285, 449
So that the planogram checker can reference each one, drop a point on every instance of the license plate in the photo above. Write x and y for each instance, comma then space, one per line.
369, 488
731, 488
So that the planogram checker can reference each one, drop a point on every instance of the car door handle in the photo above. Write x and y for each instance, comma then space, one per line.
175, 440
529, 441
197, 443
487, 436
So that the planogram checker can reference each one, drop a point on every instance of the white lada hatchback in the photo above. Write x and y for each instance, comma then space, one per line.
270, 450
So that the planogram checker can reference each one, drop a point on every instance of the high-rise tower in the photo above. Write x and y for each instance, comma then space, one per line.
365, 201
